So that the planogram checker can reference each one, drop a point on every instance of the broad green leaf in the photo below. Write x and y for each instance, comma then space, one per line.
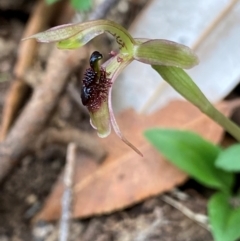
192, 154
223, 218
164, 52
82, 5
82, 33
229, 159
51, 1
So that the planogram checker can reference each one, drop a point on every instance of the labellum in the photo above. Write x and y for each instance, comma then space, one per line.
94, 94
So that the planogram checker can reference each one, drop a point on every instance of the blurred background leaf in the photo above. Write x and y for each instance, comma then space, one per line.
223, 218
192, 154
51, 1
78, 5
82, 5
228, 160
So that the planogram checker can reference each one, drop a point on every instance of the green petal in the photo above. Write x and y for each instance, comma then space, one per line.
164, 52
100, 120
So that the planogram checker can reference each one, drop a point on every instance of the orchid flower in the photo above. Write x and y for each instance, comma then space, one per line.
166, 57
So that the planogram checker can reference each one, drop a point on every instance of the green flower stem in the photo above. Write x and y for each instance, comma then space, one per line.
185, 86
223, 121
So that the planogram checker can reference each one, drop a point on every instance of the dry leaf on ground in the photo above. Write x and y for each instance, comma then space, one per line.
125, 178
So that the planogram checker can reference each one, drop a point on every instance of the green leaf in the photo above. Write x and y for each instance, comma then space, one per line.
51, 1
77, 35
164, 52
229, 159
81, 5
224, 219
192, 154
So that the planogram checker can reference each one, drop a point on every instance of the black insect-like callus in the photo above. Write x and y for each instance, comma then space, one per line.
96, 84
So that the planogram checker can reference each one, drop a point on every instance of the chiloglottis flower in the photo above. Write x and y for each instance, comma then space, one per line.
166, 57
96, 94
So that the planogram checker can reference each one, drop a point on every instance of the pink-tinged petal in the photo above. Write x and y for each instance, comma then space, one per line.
122, 62
116, 128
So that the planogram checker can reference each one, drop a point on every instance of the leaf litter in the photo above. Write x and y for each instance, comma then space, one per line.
124, 178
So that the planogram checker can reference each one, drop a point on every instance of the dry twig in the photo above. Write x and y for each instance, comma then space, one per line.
200, 219
34, 117
67, 195
26, 53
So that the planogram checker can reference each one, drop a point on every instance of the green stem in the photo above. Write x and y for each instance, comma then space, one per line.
223, 121
185, 86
